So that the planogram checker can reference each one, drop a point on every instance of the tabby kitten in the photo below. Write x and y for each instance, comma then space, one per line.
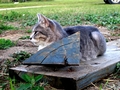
46, 32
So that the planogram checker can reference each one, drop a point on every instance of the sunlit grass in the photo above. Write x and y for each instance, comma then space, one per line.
67, 12
61, 6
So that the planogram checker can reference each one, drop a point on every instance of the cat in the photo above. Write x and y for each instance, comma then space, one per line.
47, 31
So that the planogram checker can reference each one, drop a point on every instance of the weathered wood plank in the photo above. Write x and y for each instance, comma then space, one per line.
62, 52
78, 77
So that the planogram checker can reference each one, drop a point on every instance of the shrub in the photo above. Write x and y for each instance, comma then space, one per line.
6, 43
20, 56
4, 27
12, 16
32, 82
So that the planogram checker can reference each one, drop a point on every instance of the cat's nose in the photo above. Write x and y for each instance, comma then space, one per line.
30, 38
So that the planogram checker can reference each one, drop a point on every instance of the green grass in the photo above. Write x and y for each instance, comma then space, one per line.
61, 6
24, 4
20, 56
24, 37
6, 43
4, 27
28, 31
43, 3
66, 12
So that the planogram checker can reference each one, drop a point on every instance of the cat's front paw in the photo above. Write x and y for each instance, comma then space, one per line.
41, 47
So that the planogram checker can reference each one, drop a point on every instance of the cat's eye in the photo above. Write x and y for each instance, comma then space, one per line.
36, 32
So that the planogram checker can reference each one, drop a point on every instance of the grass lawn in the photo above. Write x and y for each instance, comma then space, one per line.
53, 2
62, 6
67, 12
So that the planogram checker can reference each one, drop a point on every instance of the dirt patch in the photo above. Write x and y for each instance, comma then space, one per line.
13, 34
110, 35
21, 45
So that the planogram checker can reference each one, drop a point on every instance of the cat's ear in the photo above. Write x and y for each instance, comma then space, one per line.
43, 21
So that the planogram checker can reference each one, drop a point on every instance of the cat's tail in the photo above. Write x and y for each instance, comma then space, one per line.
99, 41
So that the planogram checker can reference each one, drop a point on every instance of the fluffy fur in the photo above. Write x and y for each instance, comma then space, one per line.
46, 31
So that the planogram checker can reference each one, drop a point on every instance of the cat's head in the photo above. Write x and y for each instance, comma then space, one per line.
44, 32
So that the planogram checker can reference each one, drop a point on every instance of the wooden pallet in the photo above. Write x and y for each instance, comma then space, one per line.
77, 77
